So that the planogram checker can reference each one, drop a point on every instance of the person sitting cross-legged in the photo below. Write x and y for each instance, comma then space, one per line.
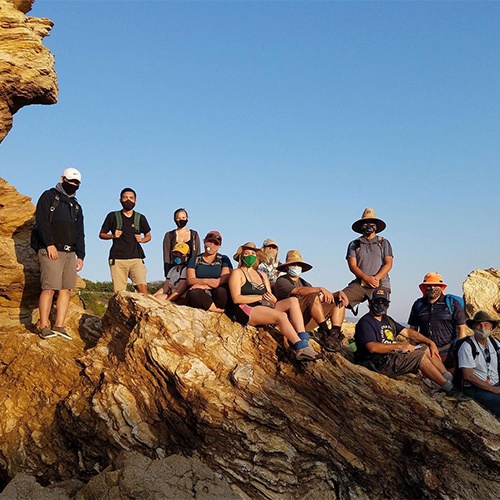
378, 350
254, 304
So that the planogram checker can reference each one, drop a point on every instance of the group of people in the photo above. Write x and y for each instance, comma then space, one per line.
261, 290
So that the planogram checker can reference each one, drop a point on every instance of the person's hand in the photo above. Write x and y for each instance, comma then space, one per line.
373, 282
138, 238
117, 234
407, 347
270, 297
52, 252
200, 286
213, 282
342, 298
326, 296
495, 389
434, 351
79, 265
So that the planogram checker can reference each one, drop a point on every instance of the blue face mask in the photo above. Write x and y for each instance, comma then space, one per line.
294, 271
177, 261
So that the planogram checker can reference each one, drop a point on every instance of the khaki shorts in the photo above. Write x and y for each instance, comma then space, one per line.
306, 302
123, 269
59, 274
357, 293
399, 363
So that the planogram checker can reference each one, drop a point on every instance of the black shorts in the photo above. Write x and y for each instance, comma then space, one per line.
398, 363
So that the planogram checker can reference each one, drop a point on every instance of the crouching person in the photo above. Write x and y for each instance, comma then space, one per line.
478, 360
254, 304
378, 350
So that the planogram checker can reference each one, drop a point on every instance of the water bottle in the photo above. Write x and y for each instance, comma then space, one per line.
352, 345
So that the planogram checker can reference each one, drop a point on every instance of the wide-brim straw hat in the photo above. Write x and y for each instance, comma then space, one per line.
249, 244
479, 317
294, 257
368, 216
432, 279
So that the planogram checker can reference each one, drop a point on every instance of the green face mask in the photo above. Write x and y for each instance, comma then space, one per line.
249, 260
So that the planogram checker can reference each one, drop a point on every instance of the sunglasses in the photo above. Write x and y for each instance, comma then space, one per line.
271, 246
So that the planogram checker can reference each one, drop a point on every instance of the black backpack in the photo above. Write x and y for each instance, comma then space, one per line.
458, 379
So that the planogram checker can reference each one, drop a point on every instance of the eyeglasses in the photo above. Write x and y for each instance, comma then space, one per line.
274, 247
487, 356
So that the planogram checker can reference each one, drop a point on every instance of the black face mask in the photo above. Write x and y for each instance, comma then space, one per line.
181, 223
69, 188
368, 229
379, 308
127, 205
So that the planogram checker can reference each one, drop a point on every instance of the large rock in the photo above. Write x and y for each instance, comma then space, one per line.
482, 292
27, 74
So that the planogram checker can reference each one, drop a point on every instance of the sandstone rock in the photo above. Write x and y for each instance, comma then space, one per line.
27, 74
25, 487
482, 292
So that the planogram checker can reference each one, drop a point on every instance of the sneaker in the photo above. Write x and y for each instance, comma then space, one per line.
61, 332
46, 333
458, 396
307, 354
331, 342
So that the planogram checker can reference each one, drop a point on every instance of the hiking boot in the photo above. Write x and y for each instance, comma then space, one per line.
458, 396
46, 333
329, 342
61, 332
307, 354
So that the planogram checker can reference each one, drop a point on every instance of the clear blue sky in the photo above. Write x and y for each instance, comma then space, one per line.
278, 119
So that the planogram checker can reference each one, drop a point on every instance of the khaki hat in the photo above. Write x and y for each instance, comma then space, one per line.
368, 216
181, 248
479, 317
294, 257
269, 242
250, 244
432, 279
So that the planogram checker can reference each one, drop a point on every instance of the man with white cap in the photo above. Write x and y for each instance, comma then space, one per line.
437, 316
369, 258
269, 260
317, 303
60, 243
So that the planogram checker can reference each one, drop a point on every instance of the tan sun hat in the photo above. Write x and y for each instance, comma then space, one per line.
294, 257
250, 244
368, 216
432, 279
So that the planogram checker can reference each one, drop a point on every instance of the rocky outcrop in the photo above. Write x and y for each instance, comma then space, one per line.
482, 292
158, 380
27, 74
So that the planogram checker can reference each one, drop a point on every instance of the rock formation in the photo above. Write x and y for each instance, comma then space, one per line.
156, 380
27, 73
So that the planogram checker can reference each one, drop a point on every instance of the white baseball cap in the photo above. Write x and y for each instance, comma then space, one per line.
72, 174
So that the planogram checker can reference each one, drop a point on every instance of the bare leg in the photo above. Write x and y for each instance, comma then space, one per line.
317, 312
338, 315
62, 305
142, 289
262, 315
45, 306
292, 307
214, 308
429, 370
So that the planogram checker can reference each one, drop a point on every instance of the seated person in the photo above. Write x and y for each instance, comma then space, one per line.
269, 260
438, 316
175, 287
378, 350
254, 304
478, 359
207, 275
316, 303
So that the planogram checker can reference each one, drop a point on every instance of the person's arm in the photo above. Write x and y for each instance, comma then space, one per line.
469, 376
145, 229
269, 294
107, 232
384, 270
143, 239
200, 283
353, 267
179, 291
382, 348
418, 338
163, 290
196, 242
224, 275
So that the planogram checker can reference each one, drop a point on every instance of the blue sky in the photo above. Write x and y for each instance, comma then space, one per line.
278, 119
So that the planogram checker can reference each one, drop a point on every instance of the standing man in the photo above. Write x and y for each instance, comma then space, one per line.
269, 260
369, 258
478, 359
316, 303
438, 317
128, 229
61, 249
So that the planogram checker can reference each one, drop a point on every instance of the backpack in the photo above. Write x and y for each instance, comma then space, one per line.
35, 240
450, 300
380, 243
135, 225
458, 379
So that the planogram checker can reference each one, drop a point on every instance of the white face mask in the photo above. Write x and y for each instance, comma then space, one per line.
484, 333
294, 271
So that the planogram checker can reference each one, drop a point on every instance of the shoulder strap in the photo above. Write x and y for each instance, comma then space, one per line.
53, 206
472, 346
119, 220
137, 222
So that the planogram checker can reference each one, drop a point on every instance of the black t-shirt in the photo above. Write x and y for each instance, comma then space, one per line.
126, 246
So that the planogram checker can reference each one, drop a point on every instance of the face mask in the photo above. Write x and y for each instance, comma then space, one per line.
379, 308
181, 223
432, 293
177, 261
484, 333
127, 205
69, 188
294, 271
248, 260
368, 229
